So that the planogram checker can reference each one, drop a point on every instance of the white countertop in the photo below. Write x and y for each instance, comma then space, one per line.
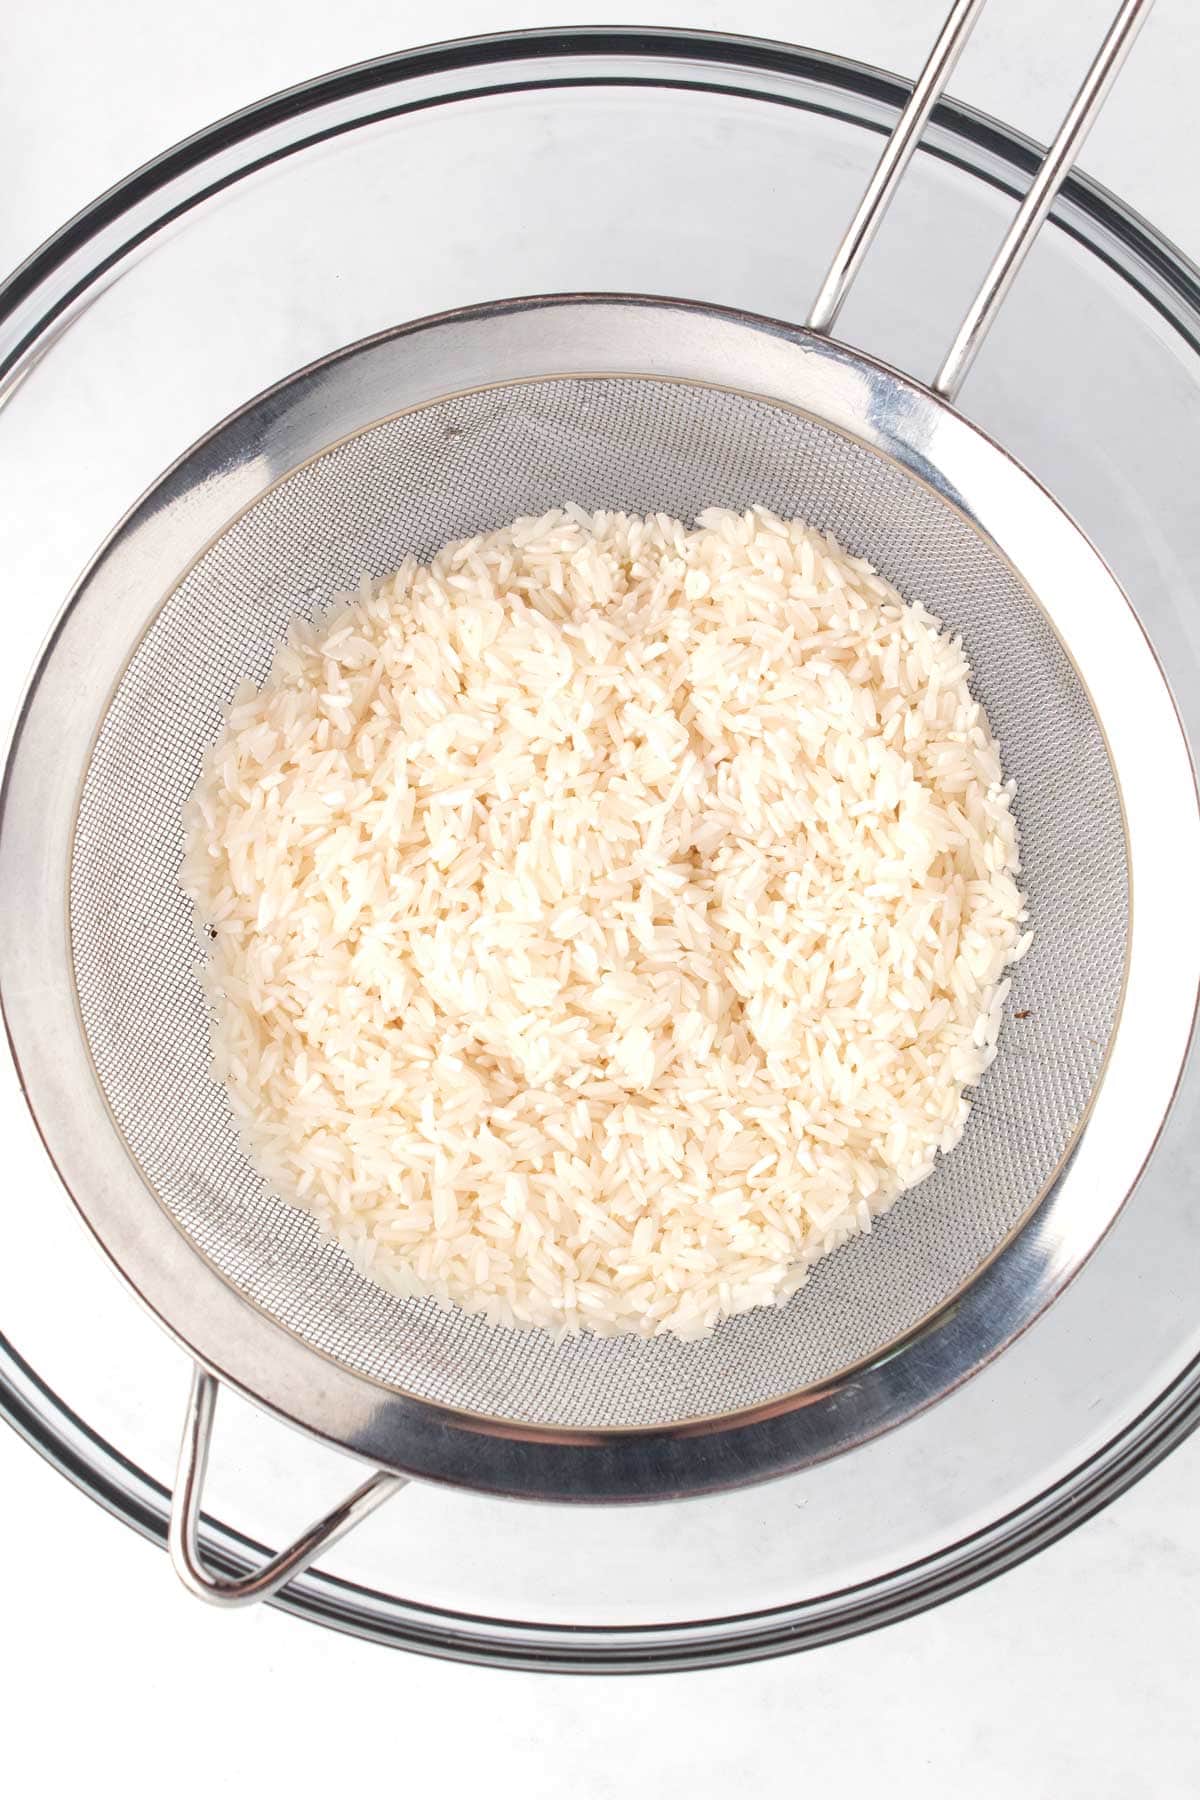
1072, 1676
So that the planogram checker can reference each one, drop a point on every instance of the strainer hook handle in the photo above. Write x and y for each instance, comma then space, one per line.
278, 1570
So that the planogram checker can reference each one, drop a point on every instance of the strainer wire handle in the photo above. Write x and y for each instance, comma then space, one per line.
278, 1570
893, 161
1018, 240
1055, 167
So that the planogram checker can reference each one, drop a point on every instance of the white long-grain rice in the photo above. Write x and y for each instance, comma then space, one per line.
608, 919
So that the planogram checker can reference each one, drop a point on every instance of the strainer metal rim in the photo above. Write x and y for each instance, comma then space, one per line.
226, 1333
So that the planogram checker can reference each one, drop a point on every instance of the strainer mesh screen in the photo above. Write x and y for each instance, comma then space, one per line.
409, 485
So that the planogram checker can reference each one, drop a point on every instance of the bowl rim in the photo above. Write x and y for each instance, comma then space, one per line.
1165, 273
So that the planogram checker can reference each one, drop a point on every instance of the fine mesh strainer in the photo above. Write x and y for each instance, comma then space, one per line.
438, 472
443, 428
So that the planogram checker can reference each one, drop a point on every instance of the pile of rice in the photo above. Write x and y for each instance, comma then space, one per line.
607, 920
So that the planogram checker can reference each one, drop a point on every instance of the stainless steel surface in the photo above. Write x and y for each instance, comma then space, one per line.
1055, 167
894, 160
277, 1570
1096, 1383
